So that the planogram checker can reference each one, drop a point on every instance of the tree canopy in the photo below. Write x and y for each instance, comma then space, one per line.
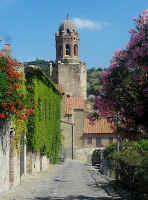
123, 97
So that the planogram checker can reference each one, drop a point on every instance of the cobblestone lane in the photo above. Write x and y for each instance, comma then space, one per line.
71, 181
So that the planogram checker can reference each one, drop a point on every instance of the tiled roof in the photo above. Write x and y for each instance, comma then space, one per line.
99, 126
73, 103
59, 88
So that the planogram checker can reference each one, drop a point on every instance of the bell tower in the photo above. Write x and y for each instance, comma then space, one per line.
67, 42
69, 72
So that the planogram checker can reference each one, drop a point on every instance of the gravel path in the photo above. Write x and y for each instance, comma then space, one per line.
73, 180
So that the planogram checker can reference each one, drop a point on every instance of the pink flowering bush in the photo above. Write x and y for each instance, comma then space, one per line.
124, 95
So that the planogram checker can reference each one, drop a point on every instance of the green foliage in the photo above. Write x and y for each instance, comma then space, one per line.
109, 150
131, 162
43, 64
20, 128
44, 126
144, 144
94, 82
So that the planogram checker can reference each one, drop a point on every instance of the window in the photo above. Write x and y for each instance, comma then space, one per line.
75, 50
99, 142
67, 50
60, 51
68, 31
89, 140
110, 140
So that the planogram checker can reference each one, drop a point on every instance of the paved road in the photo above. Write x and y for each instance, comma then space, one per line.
73, 180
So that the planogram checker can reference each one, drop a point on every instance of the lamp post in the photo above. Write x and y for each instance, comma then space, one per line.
72, 127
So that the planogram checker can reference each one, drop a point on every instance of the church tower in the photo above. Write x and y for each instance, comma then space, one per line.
69, 72
67, 42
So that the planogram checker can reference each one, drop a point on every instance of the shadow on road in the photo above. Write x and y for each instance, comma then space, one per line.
81, 197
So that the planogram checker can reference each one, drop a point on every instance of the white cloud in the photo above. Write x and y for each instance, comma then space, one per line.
89, 24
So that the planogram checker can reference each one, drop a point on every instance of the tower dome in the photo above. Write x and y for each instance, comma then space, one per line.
67, 26
67, 42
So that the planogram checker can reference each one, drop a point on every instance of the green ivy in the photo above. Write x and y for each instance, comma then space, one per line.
43, 127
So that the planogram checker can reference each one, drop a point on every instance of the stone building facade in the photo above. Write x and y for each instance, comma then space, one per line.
70, 75
68, 71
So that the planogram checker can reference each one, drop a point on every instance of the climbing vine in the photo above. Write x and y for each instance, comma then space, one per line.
13, 105
20, 129
43, 128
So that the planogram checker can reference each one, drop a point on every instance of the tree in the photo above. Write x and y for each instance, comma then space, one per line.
124, 95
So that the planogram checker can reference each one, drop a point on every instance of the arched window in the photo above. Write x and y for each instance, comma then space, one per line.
60, 51
75, 50
67, 50
68, 31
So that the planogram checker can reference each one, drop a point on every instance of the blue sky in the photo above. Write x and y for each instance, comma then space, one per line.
30, 26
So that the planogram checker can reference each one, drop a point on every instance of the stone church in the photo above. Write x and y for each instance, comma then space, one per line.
70, 76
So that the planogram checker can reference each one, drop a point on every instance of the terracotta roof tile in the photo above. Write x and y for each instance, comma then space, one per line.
73, 103
59, 88
99, 126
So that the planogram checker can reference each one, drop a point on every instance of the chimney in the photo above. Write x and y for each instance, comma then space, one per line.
6, 50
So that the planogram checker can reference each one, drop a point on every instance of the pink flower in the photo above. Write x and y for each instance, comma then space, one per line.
117, 52
137, 77
139, 107
145, 16
145, 91
135, 19
140, 114
145, 68
131, 31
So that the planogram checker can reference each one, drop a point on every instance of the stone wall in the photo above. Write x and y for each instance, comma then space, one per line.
28, 163
17, 161
4, 157
15, 169
105, 139
84, 154
44, 163
78, 118
66, 138
23, 158
72, 78
83, 80
36, 163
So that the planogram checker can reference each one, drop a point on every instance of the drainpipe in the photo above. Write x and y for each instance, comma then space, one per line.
72, 127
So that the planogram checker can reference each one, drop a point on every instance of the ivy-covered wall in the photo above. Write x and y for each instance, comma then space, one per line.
43, 126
